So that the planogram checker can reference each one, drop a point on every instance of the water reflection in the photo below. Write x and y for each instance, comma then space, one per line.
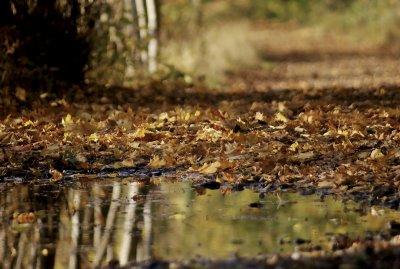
93, 223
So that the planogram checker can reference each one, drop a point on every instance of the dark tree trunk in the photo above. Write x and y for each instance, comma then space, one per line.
41, 47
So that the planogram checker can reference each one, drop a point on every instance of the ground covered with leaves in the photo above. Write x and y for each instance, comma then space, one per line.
313, 121
330, 122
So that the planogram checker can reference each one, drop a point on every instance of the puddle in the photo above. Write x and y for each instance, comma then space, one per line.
94, 223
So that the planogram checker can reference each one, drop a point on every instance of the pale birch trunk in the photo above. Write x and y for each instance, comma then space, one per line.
152, 46
128, 225
141, 21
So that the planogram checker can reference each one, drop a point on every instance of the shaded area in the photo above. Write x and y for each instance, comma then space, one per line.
44, 44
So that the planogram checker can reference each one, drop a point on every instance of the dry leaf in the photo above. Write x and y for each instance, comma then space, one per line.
157, 162
67, 121
376, 154
209, 168
93, 137
259, 116
55, 174
20, 93
280, 117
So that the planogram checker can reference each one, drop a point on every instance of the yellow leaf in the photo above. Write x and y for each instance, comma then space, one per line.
259, 116
127, 163
140, 133
55, 174
294, 146
93, 137
67, 120
376, 154
209, 134
29, 123
209, 168
280, 117
157, 162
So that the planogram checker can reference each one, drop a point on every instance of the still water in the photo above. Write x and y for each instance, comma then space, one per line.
91, 223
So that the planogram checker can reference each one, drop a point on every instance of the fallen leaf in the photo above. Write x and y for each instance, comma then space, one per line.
55, 174
280, 117
209, 168
376, 154
157, 162
259, 116
67, 121
326, 184
20, 93
93, 137
26, 217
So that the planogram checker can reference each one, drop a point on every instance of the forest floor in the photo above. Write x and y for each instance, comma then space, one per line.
322, 119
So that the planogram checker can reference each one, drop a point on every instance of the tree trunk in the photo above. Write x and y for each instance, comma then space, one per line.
153, 36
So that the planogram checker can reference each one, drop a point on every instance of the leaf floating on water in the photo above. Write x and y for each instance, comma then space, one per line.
55, 174
23, 218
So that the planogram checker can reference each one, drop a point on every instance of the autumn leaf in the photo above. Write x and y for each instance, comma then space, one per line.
259, 116
294, 146
209, 168
157, 162
209, 134
24, 218
67, 121
55, 174
20, 93
93, 137
280, 117
140, 133
376, 154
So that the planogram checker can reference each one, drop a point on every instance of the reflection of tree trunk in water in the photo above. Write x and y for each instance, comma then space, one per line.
34, 246
73, 259
128, 225
21, 250
98, 215
109, 224
86, 225
109, 252
144, 251
2, 240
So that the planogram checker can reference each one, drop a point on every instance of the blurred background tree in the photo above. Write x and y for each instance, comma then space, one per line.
45, 43
48, 43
